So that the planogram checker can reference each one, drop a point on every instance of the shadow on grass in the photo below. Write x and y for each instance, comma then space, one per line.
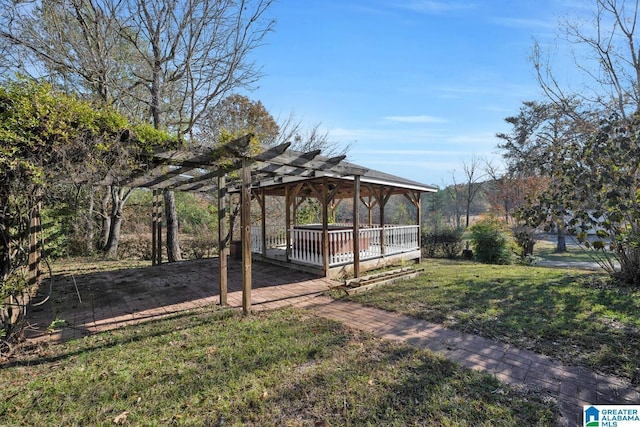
404, 386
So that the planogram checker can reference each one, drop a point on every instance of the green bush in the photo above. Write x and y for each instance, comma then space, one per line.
445, 242
196, 213
524, 238
491, 241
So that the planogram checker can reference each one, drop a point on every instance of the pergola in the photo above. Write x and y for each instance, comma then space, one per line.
281, 172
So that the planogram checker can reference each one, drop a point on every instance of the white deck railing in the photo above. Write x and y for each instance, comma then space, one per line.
402, 238
307, 244
276, 238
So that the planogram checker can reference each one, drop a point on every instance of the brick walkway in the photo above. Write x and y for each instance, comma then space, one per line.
102, 301
572, 386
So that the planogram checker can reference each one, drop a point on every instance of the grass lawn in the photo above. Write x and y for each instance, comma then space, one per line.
576, 317
290, 368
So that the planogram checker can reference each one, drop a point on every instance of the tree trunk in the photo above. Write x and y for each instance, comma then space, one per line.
173, 244
562, 240
111, 249
106, 220
89, 222
119, 197
468, 211
115, 221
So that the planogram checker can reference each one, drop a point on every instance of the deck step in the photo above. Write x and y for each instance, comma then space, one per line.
360, 284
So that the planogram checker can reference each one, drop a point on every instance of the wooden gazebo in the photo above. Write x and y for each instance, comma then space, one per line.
341, 248
326, 248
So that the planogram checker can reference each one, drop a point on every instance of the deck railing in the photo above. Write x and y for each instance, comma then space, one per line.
402, 238
276, 237
307, 244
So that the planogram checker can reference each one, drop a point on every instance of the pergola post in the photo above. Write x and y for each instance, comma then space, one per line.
223, 248
369, 205
356, 226
245, 235
154, 224
35, 247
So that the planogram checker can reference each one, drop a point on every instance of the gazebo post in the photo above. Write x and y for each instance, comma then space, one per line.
263, 221
383, 240
245, 233
416, 199
419, 222
287, 222
356, 226
325, 225
223, 248
369, 206
382, 202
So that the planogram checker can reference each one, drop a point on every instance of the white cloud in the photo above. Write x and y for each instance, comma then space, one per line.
431, 6
415, 119
384, 135
547, 24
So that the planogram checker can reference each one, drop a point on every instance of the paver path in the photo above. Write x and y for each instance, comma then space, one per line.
106, 300
103, 300
577, 265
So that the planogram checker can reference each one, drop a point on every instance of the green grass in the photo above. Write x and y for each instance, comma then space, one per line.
547, 251
576, 317
290, 368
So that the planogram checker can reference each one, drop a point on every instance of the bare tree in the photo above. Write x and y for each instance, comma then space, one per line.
473, 176
455, 193
503, 192
305, 139
193, 53
605, 55
165, 61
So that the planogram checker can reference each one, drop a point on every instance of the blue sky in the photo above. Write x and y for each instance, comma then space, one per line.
415, 87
